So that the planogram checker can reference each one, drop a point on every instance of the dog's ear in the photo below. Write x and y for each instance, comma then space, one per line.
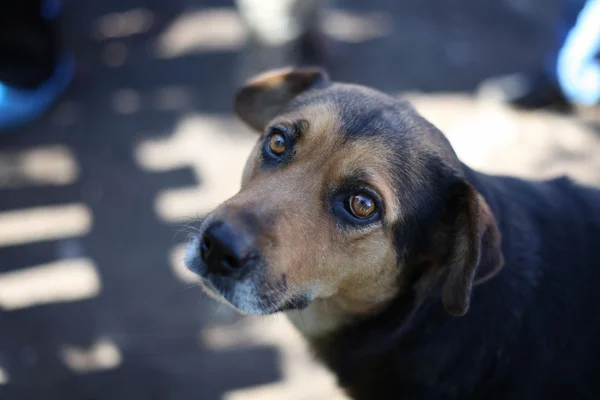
474, 254
265, 96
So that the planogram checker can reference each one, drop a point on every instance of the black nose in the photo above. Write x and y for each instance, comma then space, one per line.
224, 249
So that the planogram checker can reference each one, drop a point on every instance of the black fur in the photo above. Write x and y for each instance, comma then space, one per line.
532, 332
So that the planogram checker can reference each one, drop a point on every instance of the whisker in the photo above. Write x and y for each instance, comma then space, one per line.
191, 286
186, 228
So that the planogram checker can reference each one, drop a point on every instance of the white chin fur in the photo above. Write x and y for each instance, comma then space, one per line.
192, 251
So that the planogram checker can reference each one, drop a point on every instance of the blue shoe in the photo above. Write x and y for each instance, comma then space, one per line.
19, 106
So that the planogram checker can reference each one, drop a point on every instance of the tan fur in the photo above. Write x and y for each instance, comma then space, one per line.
348, 273
373, 157
271, 78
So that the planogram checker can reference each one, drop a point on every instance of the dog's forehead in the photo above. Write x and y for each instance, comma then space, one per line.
355, 111
363, 113
349, 129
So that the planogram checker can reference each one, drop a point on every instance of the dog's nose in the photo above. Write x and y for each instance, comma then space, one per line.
224, 250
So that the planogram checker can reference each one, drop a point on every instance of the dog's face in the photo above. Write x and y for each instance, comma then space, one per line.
349, 196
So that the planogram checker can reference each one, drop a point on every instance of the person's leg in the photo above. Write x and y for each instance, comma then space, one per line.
564, 23
33, 71
577, 64
539, 88
281, 33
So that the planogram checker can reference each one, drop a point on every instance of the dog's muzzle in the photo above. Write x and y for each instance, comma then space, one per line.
226, 251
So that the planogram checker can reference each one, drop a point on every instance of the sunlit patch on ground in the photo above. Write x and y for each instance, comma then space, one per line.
221, 29
51, 165
101, 356
176, 258
172, 98
3, 377
493, 138
122, 24
44, 223
206, 30
216, 148
126, 101
355, 28
298, 366
60, 281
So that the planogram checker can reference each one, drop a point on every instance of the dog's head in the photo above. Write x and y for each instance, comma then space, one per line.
349, 196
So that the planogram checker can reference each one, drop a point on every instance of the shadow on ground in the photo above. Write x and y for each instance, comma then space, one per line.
96, 184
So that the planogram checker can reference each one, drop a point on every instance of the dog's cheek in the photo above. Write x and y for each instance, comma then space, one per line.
370, 277
300, 249
361, 273
307, 260
251, 167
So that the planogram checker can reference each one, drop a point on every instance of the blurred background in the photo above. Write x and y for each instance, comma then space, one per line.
95, 302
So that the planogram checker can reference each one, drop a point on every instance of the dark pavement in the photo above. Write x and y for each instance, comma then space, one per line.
114, 141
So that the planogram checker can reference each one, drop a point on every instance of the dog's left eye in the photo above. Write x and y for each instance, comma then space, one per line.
277, 143
276, 146
362, 205
357, 207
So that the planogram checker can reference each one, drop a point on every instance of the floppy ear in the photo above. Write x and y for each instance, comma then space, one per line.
474, 253
265, 96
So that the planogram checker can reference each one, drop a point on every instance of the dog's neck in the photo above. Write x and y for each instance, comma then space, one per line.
358, 349
324, 316
318, 319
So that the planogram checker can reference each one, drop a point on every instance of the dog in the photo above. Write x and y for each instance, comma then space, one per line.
411, 275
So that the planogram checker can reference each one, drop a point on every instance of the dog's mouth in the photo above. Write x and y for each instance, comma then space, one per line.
249, 297
249, 291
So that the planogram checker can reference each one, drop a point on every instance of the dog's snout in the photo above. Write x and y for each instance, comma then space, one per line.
224, 249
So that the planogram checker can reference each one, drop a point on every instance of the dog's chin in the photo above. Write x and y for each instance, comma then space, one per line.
250, 302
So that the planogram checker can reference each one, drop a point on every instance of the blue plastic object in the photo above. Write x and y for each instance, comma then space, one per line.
19, 106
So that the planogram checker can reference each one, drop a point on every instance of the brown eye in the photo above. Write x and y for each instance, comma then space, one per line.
277, 144
362, 205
